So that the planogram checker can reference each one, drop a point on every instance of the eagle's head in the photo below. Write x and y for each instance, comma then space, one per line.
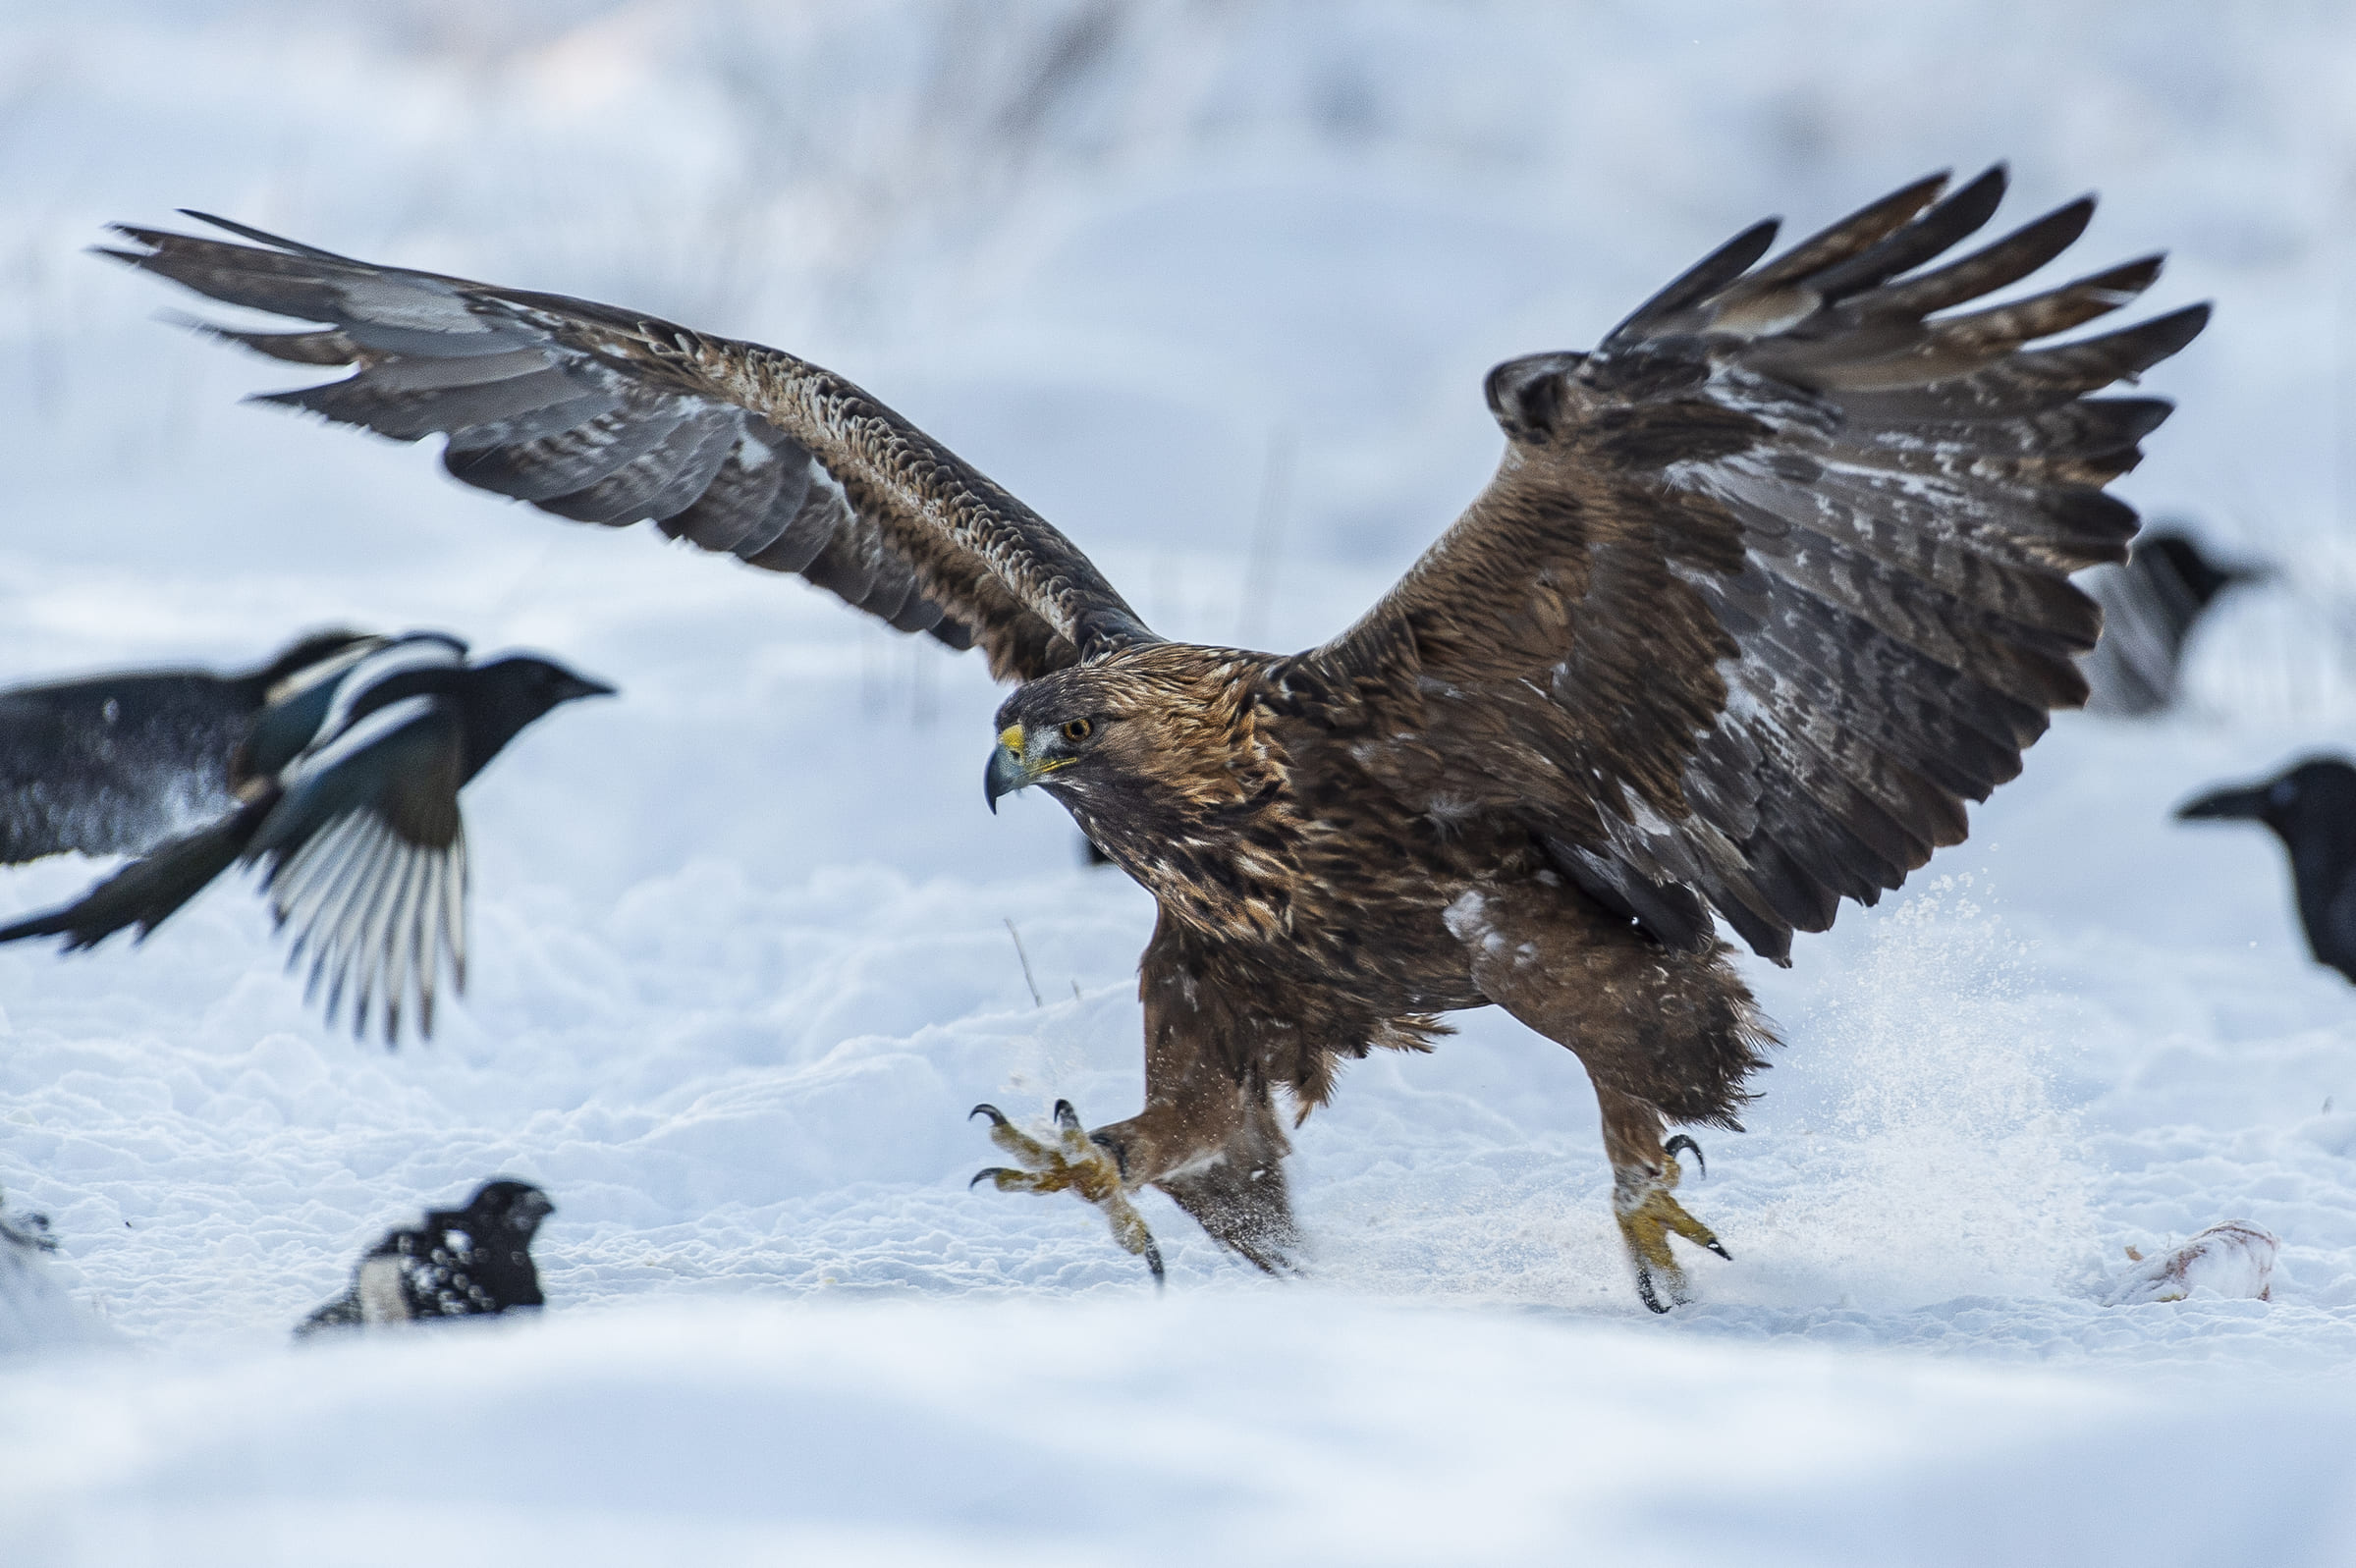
1135, 743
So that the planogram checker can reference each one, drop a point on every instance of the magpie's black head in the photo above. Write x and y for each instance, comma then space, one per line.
510, 1205
503, 696
2320, 790
2202, 577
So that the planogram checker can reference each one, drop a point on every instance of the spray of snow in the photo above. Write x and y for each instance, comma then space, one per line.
1933, 1160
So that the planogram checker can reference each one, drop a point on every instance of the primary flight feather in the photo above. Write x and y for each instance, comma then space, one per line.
1767, 587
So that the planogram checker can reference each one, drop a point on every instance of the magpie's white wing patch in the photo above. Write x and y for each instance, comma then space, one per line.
379, 915
376, 894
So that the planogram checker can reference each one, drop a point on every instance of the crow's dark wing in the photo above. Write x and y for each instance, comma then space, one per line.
2335, 942
603, 416
1777, 578
2150, 607
119, 764
2146, 617
365, 858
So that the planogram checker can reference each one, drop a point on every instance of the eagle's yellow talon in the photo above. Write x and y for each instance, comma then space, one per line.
1648, 1217
1072, 1161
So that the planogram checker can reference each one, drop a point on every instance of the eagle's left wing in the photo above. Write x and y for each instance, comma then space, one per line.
1777, 578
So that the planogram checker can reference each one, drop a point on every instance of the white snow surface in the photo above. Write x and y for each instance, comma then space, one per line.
1213, 287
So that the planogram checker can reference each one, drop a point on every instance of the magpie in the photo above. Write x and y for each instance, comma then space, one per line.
456, 1263
2150, 605
341, 782
2311, 809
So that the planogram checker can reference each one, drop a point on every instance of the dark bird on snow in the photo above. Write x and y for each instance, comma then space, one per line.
118, 764
2150, 605
2311, 809
336, 767
457, 1262
1765, 587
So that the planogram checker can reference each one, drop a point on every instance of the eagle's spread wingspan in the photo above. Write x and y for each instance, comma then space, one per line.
1775, 580
1767, 588
606, 416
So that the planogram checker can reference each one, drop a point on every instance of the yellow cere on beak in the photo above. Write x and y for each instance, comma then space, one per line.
1012, 768
1006, 773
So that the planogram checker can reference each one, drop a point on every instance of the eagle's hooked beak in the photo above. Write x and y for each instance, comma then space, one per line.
1006, 773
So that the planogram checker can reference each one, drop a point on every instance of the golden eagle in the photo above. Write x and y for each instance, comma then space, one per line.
1767, 587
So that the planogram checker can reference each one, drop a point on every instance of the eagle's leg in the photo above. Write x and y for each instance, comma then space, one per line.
1220, 1155
1076, 1162
1222, 1160
1665, 1035
1209, 1135
1644, 1178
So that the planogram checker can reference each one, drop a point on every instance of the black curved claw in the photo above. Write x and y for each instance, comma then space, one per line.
998, 1118
1720, 1250
1680, 1141
1153, 1261
1644, 1291
988, 1171
1065, 1117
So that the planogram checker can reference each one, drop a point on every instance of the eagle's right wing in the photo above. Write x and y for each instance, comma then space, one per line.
604, 415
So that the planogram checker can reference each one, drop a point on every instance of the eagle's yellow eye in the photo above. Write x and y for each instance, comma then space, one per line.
1077, 730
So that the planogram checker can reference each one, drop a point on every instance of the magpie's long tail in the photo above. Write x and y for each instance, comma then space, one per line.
150, 889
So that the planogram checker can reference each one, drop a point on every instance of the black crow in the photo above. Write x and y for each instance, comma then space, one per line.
2149, 608
457, 1262
342, 782
2312, 808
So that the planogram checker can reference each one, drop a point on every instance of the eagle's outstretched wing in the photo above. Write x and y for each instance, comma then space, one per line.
606, 416
1775, 580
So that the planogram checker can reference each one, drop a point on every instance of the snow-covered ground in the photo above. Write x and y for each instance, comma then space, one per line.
1208, 284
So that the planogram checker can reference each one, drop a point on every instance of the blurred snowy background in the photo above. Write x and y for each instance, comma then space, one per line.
1212, 286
